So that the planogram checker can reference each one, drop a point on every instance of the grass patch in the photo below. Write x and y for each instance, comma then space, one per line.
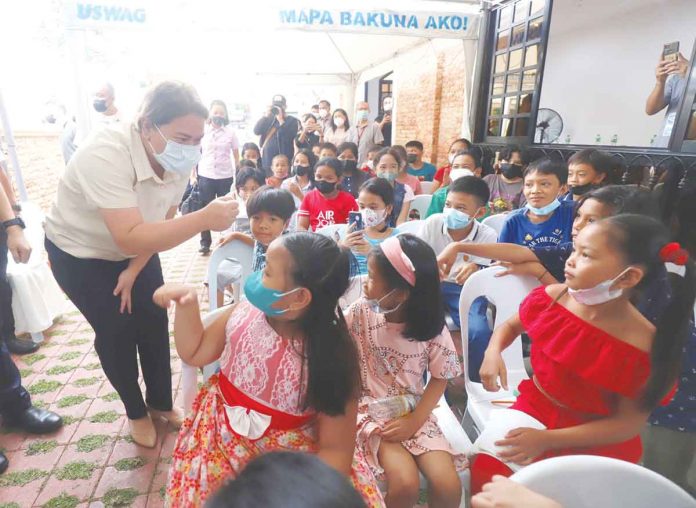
105, 417
41, 447
92, 366
60, 369
58, 333
44, 386
9, 505
163, 491
119, 497
33, 358
130, 464
69, 419
72, 400
70, 355
24, 373
86, 381
76, 470
62, 501
48, 345
77, 342
21, 478
111, 397
128, 438
91, 442
40, 404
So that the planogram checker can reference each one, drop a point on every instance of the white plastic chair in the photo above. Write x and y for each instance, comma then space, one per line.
496, 221
353, 293
421, 203
412, 227
588, 481
332, 230
426, 187
506, 293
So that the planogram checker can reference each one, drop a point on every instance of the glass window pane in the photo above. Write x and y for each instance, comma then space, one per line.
517, 35
515, 59
507, 127
535, 29
531, 58
525, 103
537, 7
521, 126
499, 85
505, 17
529, 80
503, 40
510, 107
513, 83
521, 10
494, 126
500, 63
496, 106
691, 131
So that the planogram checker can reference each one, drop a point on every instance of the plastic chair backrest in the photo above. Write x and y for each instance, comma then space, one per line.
333, 229
421, 203
426, 187
506, 293
353, 293
589, 481
412, 227
236, 249
496, 221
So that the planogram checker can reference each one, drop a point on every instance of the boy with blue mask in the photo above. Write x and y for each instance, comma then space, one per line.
466, 201
545, 220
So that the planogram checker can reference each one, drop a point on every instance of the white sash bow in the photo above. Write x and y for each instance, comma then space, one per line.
247, 422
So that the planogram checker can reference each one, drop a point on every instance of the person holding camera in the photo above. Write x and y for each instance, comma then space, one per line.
277, 130
311, 134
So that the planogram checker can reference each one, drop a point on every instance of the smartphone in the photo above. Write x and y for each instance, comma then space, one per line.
670, 52
356, 218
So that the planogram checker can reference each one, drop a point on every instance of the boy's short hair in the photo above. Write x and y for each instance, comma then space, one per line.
331, 162
472, 185
476, 155
600, 161
280, 156
247, 163
547, 166
247, 173
415, 144
278, 202
328, 146
348, 145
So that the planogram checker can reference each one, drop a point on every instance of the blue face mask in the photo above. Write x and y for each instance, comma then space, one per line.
387, 175
544, 210
262, 297
456, 219
376, 305
176, 157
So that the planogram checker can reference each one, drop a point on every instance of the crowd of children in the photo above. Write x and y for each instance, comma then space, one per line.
608, 326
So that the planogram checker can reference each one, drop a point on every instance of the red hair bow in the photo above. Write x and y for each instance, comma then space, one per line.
673, 253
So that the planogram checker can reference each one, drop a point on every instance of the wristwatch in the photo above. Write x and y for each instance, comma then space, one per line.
17, 221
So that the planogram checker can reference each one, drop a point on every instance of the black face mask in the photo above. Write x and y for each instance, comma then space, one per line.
579, 190
218, 120
349, 165
511, 171
325, 187
99, 105
411, 158
300, 170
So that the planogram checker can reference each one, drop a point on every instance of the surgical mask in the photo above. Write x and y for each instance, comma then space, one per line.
411, 158
455, 219
218, 120
323, 113
373, 218
370, 164
456, 174
339, 121
579, 190
511, 171
387, 175
361, 115
450, 158
599, 294
300, 170
325, 187
349, 165
262, 297
99, 105
544, 210
177, 157
376, 307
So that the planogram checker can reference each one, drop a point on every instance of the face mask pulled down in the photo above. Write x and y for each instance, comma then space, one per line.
599, 294
264, 298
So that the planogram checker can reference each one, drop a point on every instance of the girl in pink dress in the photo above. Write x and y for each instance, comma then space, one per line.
400, 333
288, 375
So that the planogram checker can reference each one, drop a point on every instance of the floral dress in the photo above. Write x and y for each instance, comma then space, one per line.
392, 365
263, 374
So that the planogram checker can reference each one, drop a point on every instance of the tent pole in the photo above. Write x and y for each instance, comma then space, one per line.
12, 150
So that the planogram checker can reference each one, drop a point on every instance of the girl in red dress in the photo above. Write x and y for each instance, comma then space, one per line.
600, 367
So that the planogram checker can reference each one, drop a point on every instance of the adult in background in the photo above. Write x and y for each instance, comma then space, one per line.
384, 119
15, 403
324, 114
219, 159
365, 133
114, 211
667, 93
338, 128
104, 104
311, 134
277, 130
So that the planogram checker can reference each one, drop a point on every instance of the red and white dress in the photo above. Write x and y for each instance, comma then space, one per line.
259, 392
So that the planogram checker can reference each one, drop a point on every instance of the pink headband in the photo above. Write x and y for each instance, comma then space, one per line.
398, 259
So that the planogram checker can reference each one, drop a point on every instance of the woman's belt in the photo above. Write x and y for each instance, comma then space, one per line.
250, 418
555, 402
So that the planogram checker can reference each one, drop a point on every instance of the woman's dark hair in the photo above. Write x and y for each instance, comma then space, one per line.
331, 162
278, 202
312, 162
251, 146
247, 173
169, 100
379, 187
328, 146
424, 308
246, 163
346, 125
220, 103
472, 185
461, 140
348, 145
287, 480
471, 153
332, 362
307, 116
601, 162
640, 239
387, 151
624, 199
403, 156
546, 166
